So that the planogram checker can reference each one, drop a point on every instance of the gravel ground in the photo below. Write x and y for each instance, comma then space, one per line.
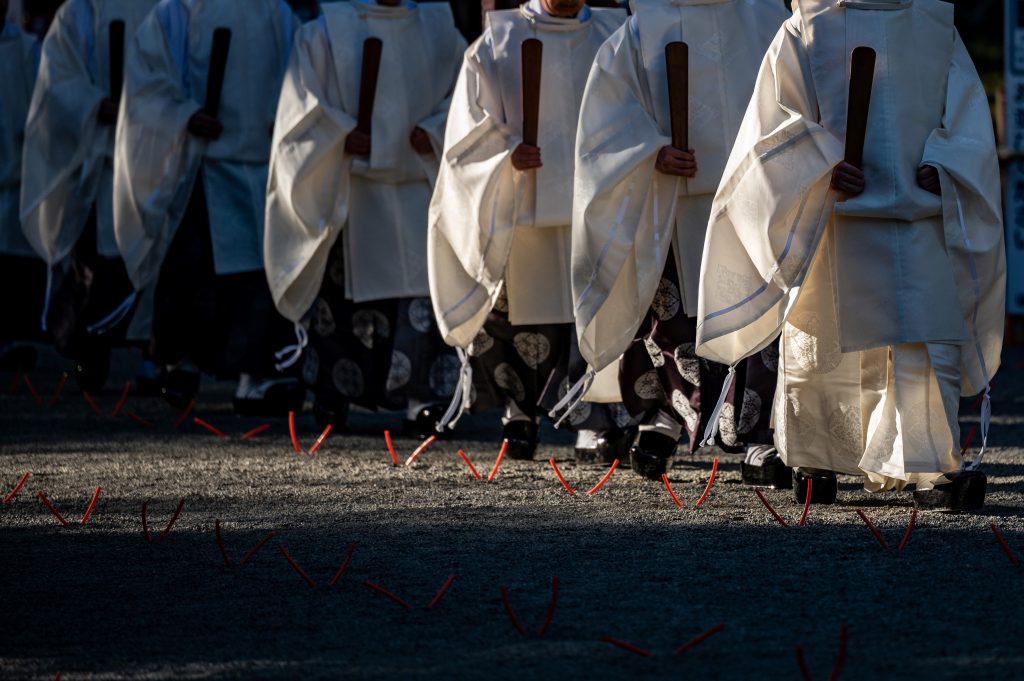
98, 601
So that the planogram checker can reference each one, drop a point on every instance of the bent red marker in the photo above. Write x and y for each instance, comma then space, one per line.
874, 530
53, 509
258, 430
32, 389
92, 404
384, 592
910, 528
59, 390
600, 483
643, 652
259, 545
807, 501
801, 662
213, 429
174, 519
1006, 547
17, 488
344, 564
497, 462
295, 566
440, 594
391, 448
185, 414
139, 420
671, 492
472, 468
560, 477
782, 521
837, 666
419, 450
699, 638
92, 505
124, 398
320, 440
291, 432
220, 542
711, 481
550, 614
511, 613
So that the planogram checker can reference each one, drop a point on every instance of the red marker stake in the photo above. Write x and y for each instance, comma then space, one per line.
664, 479
258, 430
561, 478
295, 566
92, 505
967, 442
699, 638
122, 400
344, 564
60, 389
391, 448
220, 542
320, 440
440, 594
497, 462
837, 666
145, 523
174, 518
551, 608
472, 468
46, 502
626, 646
1006, 547
185, 414
511, 613
607, 476
807, 501
92, 404
291, 432
802, 663
771, 510
17, 488
874, 530
711, 481
32, 389
259, 545
419, 450
139, 420
384, 592
910, 528
213, 429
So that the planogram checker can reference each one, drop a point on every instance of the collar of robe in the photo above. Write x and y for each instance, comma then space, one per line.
546, 23
376, 11
875, 4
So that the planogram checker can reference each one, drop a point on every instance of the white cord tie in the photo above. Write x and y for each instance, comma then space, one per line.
46, 300
291, 354
108, 323
572, 398
463, 394
712, 429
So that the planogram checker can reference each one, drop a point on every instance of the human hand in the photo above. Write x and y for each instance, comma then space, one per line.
928, 179
205, 126
357, 143
420, 141
526, 157
678, 162
107, 114
848, 178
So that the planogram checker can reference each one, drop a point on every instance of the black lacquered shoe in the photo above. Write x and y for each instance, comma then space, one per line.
523, 437
964, 492
615, 444
824, 489
272, 399
92, 368
335, 415
651, 455
425, 423
179, 387
763, 467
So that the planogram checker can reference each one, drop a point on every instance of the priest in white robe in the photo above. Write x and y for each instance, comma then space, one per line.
887, 282
67, 184
189, 194
640, 215
346, 222
500, 220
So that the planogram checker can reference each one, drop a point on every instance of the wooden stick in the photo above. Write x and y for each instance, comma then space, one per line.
368, 83
862, 74
116, 36
218, 65
532, 61
677, 63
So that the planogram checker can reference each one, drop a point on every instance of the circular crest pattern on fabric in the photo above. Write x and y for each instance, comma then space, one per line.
657, 358
348, 378
533, 348
506, 378
815, 354
400, 372
310, 366
482, 342
666, 300
421, 315
368, 325
444, 375
681, 405
688, 363
323, 319
648, 387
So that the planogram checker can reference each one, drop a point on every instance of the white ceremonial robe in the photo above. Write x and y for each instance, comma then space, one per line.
158, 160
17, 73
627, 215
890, 303
68, 160
377, 205
489, 223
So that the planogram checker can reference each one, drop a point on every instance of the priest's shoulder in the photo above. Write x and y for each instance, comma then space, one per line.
501, 22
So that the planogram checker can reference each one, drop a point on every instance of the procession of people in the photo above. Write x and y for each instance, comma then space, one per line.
771, 228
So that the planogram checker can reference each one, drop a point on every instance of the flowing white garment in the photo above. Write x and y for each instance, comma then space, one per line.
895, 285
158, 160
627, 215
491, 224
378, 205
17, 73
68, 159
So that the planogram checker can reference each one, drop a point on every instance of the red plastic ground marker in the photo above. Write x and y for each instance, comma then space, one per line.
497, 462
295, 566
440, 594
472, 468
213, 429
255, 549
1006, 547
139, 420
699, 638
59, 390
550, 614
92, 404
600, 483
807, 501
910, 528
419, 450
391, 448
967, 442
17, 487
626, 646
185, 414
711, 481
511, 613
220, 542
384, 592
92, 505
145, 523
801, 662
320, 440
174, 519
124, 398
53, 509
291, 432
344, 564
837, 666
32, 389
258, 430
771, 510
671, 493
874, 530
561, 478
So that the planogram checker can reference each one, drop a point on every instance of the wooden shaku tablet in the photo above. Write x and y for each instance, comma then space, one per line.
677, 67
116, 35
533, 58
862, 74
368, 83
218, 65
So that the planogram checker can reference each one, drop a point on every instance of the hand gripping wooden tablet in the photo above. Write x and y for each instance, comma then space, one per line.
677, 63
533, 57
